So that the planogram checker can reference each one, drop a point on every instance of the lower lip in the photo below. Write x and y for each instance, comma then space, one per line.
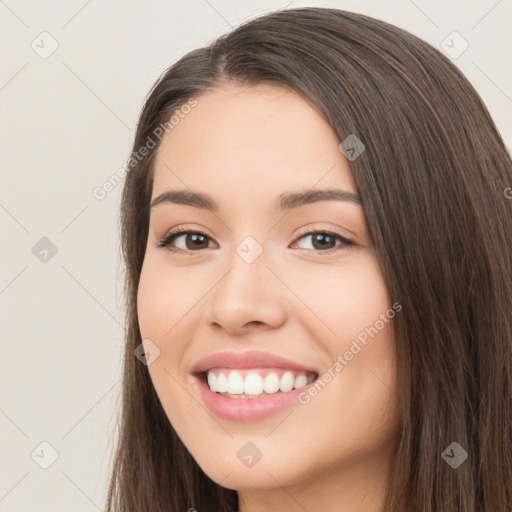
247, 409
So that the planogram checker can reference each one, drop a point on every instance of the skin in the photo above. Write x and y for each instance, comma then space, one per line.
244, 146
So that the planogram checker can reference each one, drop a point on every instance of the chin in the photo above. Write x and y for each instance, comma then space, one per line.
266, 473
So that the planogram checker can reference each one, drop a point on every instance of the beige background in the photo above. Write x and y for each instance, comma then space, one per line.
67, 124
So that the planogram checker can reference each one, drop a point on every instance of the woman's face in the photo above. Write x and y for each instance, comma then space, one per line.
266, 277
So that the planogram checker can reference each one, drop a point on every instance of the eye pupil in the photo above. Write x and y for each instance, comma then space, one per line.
321, 237
196, 237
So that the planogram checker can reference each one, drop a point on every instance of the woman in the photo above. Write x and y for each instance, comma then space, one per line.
319, 279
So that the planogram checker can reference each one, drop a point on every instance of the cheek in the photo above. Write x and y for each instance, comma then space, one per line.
343, 300
164, 296
352, 323
163, 318
150, 303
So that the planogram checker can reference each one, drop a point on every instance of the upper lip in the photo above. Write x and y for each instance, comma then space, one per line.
245, 360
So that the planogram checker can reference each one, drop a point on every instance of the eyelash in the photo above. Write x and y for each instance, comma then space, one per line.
167, 239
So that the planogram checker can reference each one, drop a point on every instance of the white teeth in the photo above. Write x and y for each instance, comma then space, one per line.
300, 381
212, 381
231, 382
286, 382
222, 383
253, 384
235, 384
271, 383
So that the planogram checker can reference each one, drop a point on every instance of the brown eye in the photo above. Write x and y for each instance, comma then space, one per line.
322, 241
194, 241
190, 241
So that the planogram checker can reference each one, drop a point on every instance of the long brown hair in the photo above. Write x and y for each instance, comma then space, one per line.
432, 180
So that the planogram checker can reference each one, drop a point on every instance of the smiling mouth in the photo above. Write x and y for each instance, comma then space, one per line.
255, 383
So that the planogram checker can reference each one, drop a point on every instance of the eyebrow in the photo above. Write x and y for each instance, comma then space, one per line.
285, 201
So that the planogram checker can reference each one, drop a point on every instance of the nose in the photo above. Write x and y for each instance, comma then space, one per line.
248, 297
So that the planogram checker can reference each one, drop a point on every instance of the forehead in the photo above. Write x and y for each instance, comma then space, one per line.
258, 140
